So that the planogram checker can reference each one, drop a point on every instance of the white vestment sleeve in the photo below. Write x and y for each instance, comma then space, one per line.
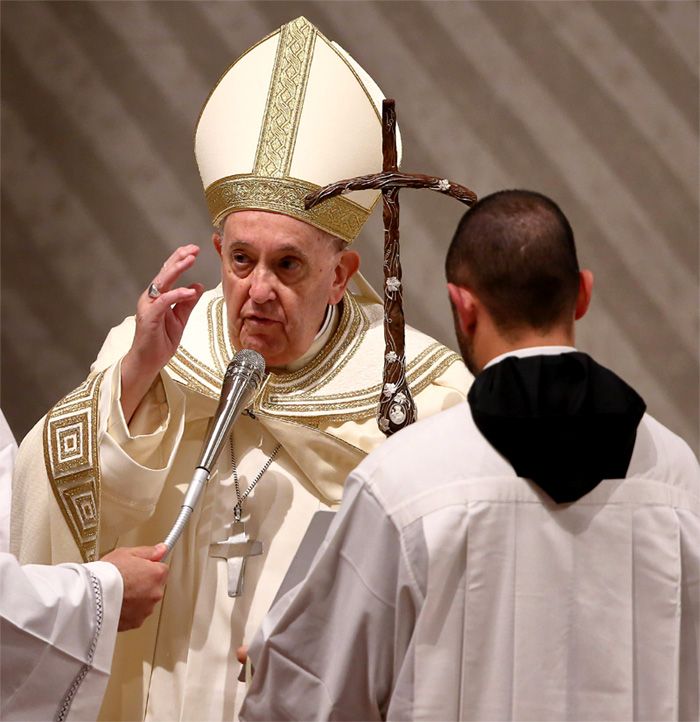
58, 627
135, 460
333, 647
8, 451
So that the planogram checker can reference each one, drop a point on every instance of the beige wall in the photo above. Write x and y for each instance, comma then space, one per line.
593, 103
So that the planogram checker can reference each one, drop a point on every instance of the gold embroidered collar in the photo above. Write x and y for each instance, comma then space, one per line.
340, 383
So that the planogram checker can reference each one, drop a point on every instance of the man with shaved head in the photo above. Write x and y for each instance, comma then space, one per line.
535, 550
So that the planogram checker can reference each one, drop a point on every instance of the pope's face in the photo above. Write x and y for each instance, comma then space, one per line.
279, 274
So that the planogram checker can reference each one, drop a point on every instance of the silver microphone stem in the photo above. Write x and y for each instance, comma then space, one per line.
241, 381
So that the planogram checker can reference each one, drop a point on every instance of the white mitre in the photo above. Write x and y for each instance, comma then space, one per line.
294, 113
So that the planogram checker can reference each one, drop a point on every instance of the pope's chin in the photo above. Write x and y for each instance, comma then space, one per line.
265, 345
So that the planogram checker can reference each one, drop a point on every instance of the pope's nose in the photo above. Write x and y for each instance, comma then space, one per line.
262, 287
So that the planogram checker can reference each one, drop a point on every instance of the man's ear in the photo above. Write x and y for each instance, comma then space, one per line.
348, 265
216, 240
585, 290
464, 306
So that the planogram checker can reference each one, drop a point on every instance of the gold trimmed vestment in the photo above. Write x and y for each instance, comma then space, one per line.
85, 482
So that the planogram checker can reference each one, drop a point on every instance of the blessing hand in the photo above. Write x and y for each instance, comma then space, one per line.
161, 315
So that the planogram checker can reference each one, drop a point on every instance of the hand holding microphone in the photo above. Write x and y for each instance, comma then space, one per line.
241, 382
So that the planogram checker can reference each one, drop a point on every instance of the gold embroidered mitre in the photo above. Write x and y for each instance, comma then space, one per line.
292, 114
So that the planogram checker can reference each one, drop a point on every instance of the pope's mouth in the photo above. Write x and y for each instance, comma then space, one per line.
259, 321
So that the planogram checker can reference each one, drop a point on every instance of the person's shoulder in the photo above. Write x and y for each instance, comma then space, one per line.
436, 374
424, 353
116, 344
420, 344
120, 337
670, 447
208, 318
662, 455
444, 366
404, 445
433, 451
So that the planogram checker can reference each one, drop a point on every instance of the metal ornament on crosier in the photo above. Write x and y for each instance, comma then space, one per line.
239, 546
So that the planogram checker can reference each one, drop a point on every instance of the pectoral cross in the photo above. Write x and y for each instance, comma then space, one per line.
396, 406
236, 550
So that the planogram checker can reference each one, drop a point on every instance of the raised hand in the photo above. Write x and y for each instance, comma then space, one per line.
144, 581
162, 312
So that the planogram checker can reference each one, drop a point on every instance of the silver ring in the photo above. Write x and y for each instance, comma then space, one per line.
153, 291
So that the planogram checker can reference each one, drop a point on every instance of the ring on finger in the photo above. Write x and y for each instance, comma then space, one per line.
153, 291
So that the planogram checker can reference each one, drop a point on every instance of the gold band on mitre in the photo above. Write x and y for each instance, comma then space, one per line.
338, 216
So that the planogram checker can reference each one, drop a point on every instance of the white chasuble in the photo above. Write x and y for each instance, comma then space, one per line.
210, 686
108, 484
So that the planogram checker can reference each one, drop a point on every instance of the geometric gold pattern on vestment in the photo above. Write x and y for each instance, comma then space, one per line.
72, 462
82, 506
69, 436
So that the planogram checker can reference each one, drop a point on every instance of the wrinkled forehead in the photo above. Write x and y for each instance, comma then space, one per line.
277, 231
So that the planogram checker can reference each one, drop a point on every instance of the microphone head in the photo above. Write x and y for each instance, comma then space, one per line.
241, 381
247, 362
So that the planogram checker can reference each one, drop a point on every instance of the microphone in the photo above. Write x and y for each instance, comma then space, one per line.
241, 381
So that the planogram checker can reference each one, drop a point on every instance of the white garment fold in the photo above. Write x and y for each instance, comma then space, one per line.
8, 451
450, 589
181, 664
58, 627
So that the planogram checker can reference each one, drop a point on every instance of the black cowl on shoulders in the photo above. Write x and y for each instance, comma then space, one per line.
563, 421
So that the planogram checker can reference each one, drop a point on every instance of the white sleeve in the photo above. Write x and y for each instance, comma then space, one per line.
8, 451
135, 460
58, 626
331, 648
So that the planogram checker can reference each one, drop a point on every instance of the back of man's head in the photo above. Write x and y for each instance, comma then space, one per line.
515, 251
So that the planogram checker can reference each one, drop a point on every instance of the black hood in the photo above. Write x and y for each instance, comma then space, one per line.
562, 421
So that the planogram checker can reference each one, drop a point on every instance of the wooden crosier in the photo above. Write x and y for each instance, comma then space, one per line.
396, 407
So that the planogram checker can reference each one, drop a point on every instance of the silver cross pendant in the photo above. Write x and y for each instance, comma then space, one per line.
236, 550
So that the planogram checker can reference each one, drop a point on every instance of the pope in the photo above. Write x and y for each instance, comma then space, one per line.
110, 463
